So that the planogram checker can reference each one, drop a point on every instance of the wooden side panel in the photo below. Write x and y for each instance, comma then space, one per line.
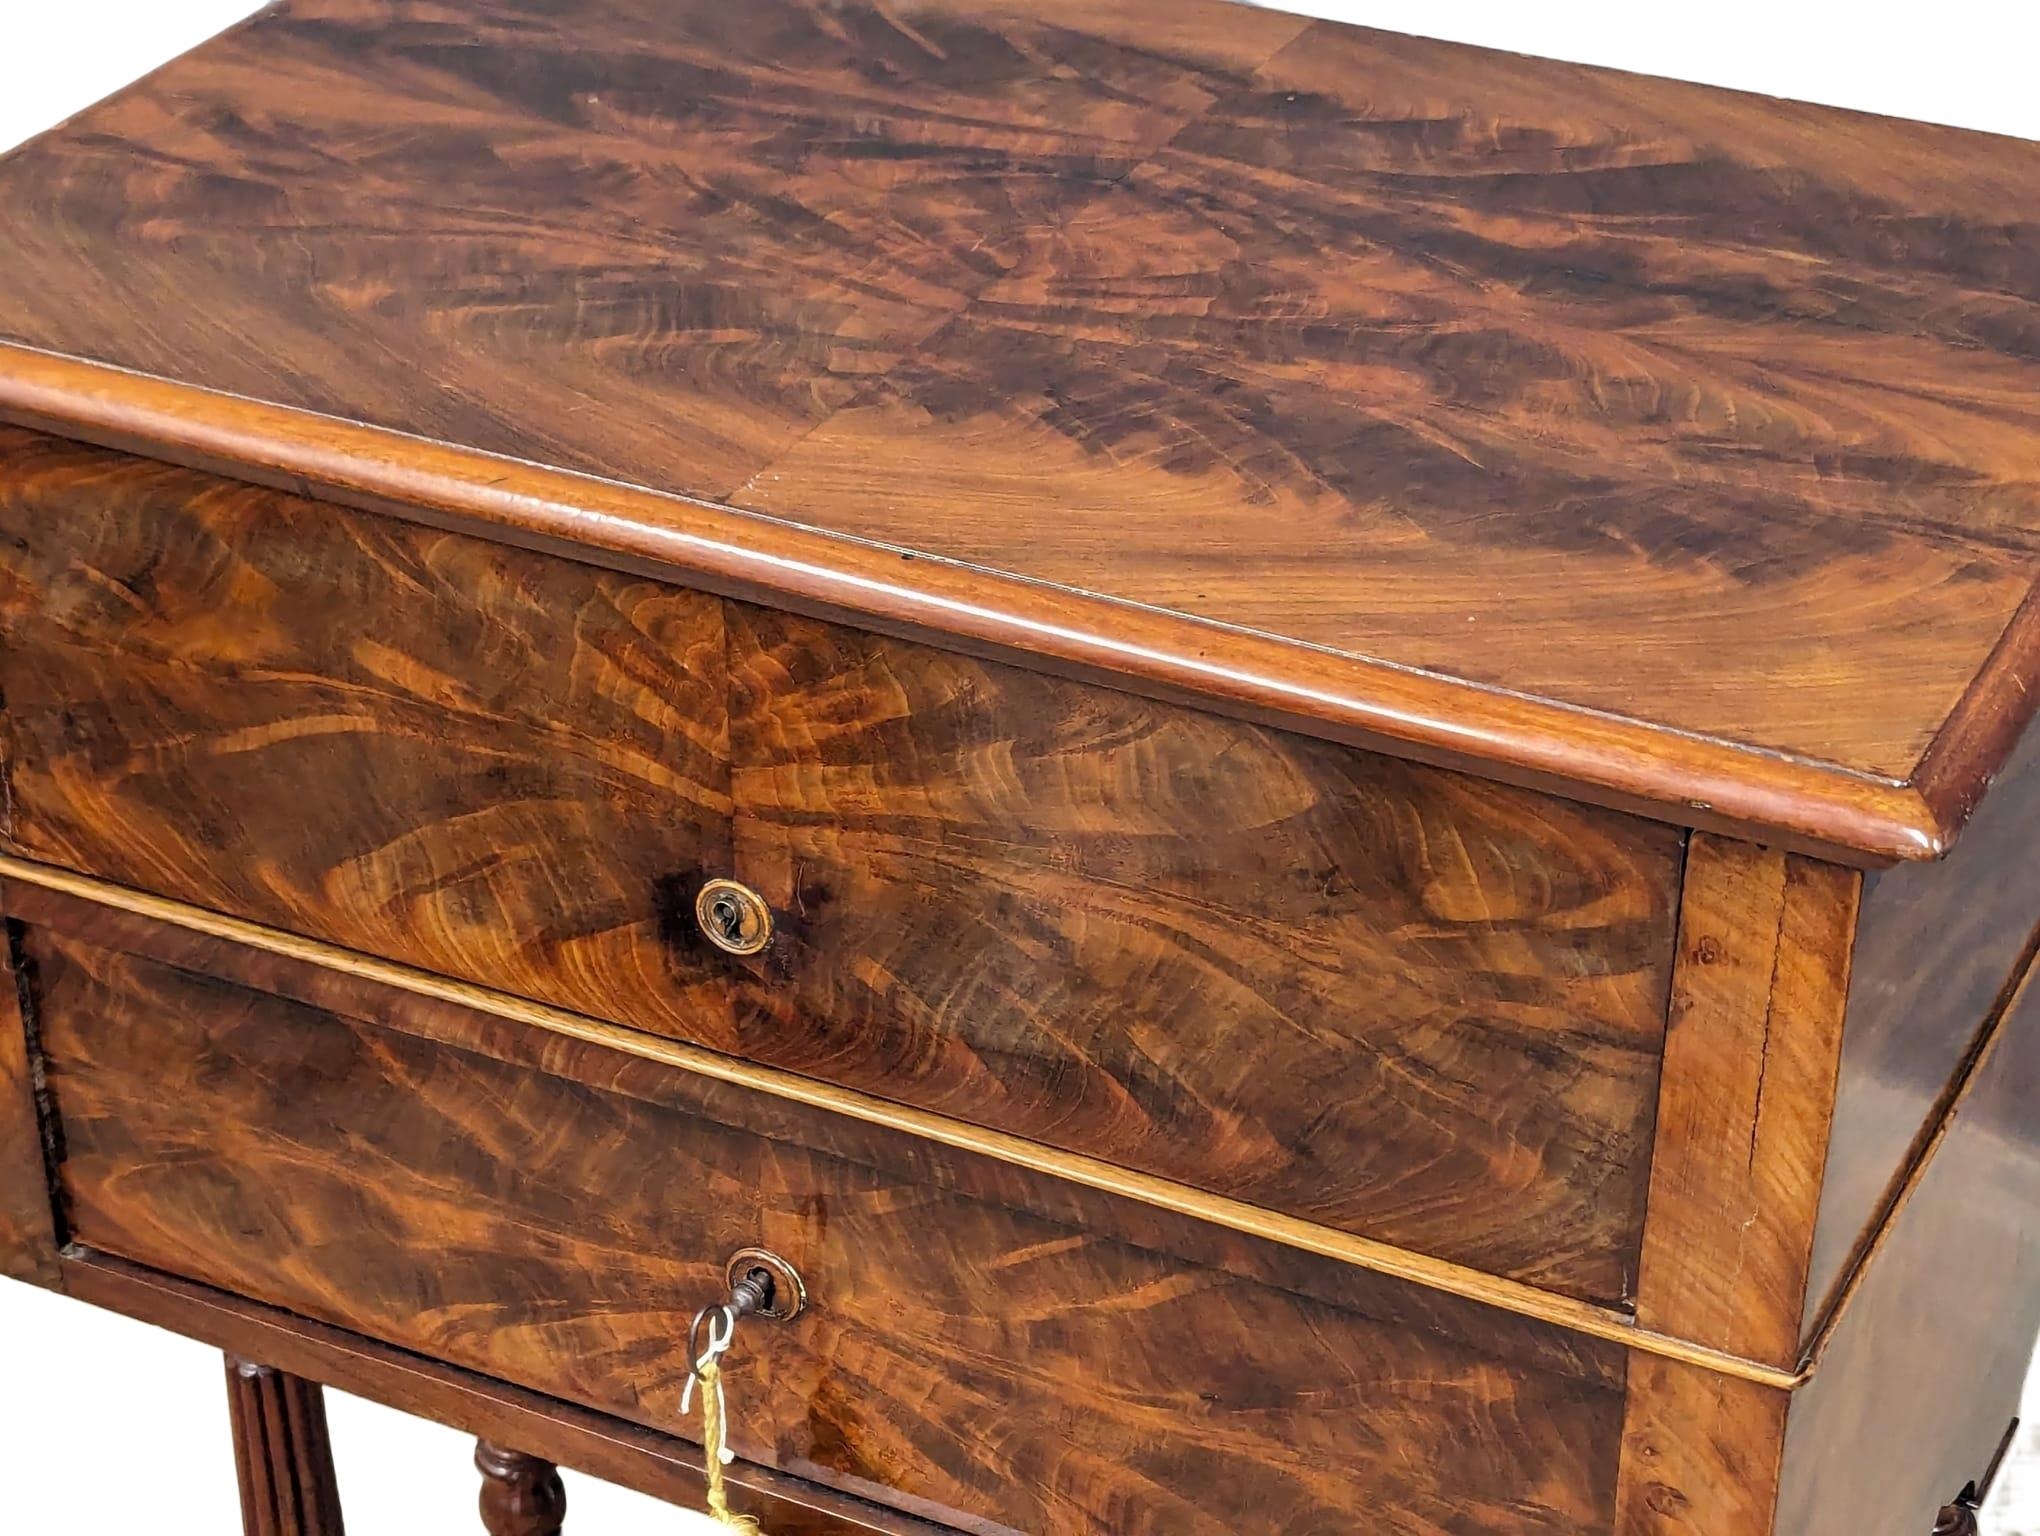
28, 1240
1700, 1453
1936, 946
1749, 1079
473, 759
1376, 995
960, 1359
1923, 1372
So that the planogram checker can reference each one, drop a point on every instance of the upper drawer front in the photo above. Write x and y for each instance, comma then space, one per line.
1391, 999
964, 1358
1397, 1001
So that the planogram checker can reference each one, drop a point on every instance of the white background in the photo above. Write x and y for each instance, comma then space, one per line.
109, 1426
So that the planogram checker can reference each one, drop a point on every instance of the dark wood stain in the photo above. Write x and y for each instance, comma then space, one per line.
522, 1495
657, 238
1268, 966
598, 1444
448, 752
1055, 494
1016, 1372
1252, 962
1120, 1218
282, 1451
1934, 949
1925, 1367
1300, 327
1405, 319
1800, 804
28, 1236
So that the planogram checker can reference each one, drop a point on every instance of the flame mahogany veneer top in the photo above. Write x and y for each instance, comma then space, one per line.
1672, 447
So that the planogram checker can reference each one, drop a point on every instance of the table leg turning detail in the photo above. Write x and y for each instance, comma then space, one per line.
521, 1495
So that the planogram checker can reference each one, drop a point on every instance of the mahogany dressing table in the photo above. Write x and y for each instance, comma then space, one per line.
1272, 774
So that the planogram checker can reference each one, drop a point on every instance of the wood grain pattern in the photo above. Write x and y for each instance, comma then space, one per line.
1019, 1371
636, 440
1700, 1454
602, 1446
1977, 740
1751, 1061
1934, 949
469, 758
1924, 1369
964, 858
1388, 999
282, 1451
1572, 337
659, 239
28, 1239
1506, 1318
1609, 760
1313, 331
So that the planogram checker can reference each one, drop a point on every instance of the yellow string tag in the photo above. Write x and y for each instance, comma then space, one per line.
715, 1445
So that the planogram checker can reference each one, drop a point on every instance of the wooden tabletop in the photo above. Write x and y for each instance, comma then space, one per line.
1675, 447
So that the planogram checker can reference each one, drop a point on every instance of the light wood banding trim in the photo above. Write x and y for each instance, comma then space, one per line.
1752, 1053
1310, 1237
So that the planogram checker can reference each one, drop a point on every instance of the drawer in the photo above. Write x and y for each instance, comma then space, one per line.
1391, 1000
551, 1212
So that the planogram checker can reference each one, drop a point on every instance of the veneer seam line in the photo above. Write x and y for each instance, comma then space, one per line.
1364, 1253
1572, 749
309, 489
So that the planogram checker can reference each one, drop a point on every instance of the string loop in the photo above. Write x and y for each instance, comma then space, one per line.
707, 1351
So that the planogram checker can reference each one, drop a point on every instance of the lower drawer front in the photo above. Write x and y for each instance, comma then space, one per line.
552, 1212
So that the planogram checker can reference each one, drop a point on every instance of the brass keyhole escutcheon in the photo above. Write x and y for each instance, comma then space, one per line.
734, 917
781, 1295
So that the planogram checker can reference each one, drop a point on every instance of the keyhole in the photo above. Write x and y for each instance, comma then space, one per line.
733, 917
729, 917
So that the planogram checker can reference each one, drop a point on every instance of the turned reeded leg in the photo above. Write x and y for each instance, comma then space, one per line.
282, 1450
521, 1495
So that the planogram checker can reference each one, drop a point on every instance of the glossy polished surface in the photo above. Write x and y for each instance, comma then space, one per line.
1922, 1373
1706, 411
1334, 984
1402, 1002
1936, 948
1017, 1374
